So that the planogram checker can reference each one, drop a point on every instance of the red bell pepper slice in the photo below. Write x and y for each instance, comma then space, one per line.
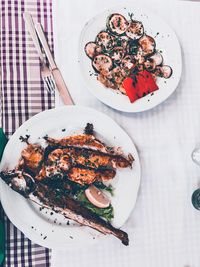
142, 84
130, 89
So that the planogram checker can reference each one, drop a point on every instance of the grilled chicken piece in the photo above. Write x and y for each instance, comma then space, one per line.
73, 210
95, 159
82, 141
86, 140
56, 165
31, 158
84, 176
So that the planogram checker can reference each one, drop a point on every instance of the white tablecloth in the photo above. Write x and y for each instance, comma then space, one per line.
164, 227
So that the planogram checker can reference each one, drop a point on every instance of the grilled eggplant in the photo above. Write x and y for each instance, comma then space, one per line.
117, 24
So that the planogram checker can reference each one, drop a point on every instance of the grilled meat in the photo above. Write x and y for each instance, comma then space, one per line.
82, 140
83, 176
92, 158
72, 209
31, 158
67, 166
61, 203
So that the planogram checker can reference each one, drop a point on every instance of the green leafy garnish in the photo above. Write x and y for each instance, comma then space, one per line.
106, 213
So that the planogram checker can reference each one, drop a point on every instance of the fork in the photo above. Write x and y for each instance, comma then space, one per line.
46, 73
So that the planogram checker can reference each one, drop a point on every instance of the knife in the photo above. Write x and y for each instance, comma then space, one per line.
60, 83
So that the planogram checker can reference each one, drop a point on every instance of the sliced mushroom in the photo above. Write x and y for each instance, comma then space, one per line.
135, 30
92, 49
158, 58
147, 44
102, 63
117, 24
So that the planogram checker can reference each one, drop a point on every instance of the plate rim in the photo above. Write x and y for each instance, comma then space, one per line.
16, 221
137, 6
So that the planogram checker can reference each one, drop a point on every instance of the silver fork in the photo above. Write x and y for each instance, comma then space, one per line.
48, 79
46, 73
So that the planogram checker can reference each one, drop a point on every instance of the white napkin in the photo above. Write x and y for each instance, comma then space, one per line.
164, 228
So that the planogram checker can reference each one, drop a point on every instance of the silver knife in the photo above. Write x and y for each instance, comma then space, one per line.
60, 83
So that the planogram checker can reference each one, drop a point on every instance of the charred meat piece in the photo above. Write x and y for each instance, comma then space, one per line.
89, 129
83, 175
31, 158
55, 166
83, 140
73, 210
95, 159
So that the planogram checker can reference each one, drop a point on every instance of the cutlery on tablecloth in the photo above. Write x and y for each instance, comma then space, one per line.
3, 142
45, 71
60, 83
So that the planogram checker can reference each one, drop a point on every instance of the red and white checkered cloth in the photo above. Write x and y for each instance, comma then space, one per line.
23, 95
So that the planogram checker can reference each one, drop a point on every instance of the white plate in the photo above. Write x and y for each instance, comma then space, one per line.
36, 224
166, 41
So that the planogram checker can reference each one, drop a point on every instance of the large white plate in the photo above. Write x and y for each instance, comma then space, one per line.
52, 230
166, 41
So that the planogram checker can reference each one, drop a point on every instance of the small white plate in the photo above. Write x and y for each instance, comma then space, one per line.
52, 230
166, 41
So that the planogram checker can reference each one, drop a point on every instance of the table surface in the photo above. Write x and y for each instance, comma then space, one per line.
164, 227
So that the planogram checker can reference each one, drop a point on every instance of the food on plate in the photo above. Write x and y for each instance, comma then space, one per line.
70, 175
97, 197
124, 50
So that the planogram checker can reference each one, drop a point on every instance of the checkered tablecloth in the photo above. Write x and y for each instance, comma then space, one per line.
22, 95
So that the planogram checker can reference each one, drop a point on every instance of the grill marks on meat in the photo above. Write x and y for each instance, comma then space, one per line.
88, 176
73, 210
82, 158
96, 159
81, 165
31, 158
82, 140
74, 160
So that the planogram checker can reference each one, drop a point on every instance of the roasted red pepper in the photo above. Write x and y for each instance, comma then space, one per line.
130, 89
139, 85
